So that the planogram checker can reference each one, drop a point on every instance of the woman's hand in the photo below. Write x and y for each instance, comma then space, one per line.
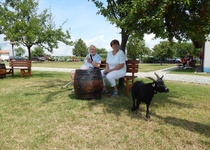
106, 71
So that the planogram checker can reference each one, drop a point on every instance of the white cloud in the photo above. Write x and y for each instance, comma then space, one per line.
63, 50
150, 41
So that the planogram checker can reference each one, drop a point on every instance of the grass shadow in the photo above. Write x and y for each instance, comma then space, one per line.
163, 99
187, 125
51, 92
33, 75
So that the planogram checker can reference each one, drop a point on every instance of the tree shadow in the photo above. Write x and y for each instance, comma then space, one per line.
163, 99
49, 85
187, 125
115, 105
33, 75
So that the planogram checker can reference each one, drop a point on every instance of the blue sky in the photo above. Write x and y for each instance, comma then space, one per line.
83, 23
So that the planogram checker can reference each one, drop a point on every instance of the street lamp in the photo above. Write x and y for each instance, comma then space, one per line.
13, 43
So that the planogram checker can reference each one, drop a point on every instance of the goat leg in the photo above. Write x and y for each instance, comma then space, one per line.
138, 103
134, 104
147, 111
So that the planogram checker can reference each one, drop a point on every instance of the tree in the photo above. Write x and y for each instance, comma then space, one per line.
182, 48
80, 48
193, 23
20, 22
136, 47
19, 51
38, 52
117, 12
102, 52
163, 50
181, 19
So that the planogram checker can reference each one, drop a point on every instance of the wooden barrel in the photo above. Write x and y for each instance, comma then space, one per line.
2, 71
88, 84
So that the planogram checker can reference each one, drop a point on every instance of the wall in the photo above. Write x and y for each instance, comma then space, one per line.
206, 63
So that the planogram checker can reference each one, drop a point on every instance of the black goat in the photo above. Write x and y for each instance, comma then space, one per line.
142, 92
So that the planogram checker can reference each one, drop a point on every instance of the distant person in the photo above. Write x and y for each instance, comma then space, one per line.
189, 61
115, 68
201, 57
184, 62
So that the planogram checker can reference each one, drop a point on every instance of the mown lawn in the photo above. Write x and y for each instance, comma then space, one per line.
35, 113
142, 67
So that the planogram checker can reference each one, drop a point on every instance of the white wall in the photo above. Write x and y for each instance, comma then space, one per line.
206, 63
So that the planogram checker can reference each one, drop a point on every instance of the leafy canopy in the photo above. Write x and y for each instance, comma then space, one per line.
19, 51
163, 50
80, 48
20, 22
38, 52
181, 19
136, 48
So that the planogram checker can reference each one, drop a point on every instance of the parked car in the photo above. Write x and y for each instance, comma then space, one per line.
16, 58
41, 59
38, 59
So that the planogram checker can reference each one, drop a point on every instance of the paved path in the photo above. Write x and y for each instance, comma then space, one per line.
173, 77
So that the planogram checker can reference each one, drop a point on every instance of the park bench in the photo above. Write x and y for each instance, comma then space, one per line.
183, 65
23, 65
132, 68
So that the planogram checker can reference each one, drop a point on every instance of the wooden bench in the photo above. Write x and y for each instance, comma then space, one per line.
132, 68
23, 65
179, 65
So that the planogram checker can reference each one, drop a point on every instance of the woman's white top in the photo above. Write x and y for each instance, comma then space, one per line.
114, 60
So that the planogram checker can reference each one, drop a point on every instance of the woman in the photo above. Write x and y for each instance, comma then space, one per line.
115, 67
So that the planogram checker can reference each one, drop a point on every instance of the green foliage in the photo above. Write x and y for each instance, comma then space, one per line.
80, 48
38, 52
19, 51
20, 22
136, 48
163, 50
102, 52
182, 19
182, 49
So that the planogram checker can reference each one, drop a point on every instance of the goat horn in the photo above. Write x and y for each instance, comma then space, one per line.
151, 78
157, 75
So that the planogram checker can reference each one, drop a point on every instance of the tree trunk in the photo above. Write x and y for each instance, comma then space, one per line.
29, 52
197, 44
124, 39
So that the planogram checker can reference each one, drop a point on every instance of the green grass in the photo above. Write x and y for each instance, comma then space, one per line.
189, 71
153, 67
35, 113
142, 67
54, 64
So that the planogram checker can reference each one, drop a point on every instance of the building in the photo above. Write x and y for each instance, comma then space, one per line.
206, 57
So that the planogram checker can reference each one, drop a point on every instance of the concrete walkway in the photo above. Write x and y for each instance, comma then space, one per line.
172, 77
